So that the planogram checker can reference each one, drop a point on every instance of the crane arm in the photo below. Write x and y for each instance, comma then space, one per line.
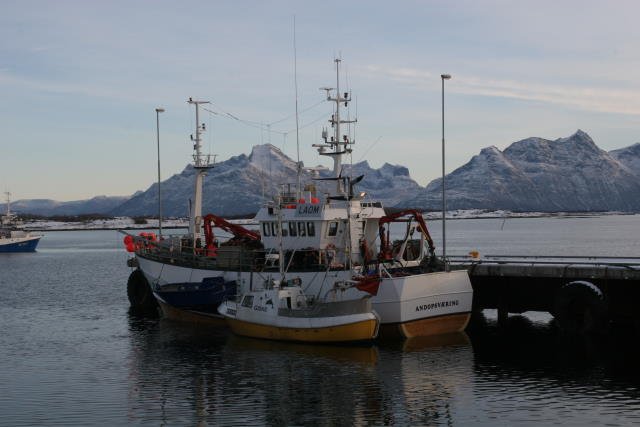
238, 231
418, 217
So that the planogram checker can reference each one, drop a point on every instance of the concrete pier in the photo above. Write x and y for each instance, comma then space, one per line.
584, 294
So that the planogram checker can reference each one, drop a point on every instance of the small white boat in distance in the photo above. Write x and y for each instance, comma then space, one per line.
285, 313
13, 238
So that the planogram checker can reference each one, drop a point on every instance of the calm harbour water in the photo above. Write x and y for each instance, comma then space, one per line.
72, 354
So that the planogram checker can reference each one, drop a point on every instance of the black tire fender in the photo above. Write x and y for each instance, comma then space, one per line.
580, 307
139, 291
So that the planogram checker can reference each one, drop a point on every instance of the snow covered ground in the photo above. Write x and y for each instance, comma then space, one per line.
125, 223
481, 213
118, 223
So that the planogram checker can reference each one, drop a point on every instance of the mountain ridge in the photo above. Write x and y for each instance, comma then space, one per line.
533, 174
536, 174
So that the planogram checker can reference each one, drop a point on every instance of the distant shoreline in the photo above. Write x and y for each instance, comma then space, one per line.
79, 228
122, 224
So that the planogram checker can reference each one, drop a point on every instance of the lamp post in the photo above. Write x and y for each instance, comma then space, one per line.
444, 77
158, 111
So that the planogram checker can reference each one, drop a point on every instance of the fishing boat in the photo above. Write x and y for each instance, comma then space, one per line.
13, 236
181, 274
333, 240
281, 311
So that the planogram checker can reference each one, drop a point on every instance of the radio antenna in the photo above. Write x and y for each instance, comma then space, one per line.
295, 79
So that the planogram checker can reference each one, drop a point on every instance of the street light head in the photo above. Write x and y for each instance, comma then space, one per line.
445, 76
159, 110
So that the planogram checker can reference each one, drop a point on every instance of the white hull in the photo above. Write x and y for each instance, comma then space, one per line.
284, 314
18, 240
420, 296
163, 274
26, 243
273, 320
399, 300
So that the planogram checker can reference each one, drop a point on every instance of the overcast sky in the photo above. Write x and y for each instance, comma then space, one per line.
80, 81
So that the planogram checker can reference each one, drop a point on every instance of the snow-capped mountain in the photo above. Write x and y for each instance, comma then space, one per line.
535, 174
389, 184
241, 184
630, 157
48, 207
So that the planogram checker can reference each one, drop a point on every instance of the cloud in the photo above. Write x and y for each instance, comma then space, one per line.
603, 100
8, 79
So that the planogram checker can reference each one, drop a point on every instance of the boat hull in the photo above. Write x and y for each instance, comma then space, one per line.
424, 304
19, 244
195, 302
408, 306
192, 316
283, 314
364, 330
440, 325
200, 296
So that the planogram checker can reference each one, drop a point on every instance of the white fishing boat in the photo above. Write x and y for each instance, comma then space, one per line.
337, 243
281, 311
13, 236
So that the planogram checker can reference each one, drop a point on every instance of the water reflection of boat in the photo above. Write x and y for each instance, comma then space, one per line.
436, 341
430, 375
366, 354
185, 375
180, 374
13, 237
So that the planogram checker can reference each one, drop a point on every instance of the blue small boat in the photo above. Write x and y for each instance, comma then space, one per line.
204, 296
13, 238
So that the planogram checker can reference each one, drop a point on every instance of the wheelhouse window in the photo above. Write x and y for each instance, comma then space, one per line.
301, 229
285, 231
311, 229
292, 229
247, 301
266, 229
333, 228
274, 229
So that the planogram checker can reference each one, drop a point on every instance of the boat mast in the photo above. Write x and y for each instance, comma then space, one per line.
8, 203
336, 146
280, 243
338, 143
295, 79
201, 164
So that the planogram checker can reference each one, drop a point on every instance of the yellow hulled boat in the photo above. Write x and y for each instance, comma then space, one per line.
284, 313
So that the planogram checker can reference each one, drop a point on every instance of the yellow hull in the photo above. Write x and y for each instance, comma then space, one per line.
191, 316
365, 330
426, 327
